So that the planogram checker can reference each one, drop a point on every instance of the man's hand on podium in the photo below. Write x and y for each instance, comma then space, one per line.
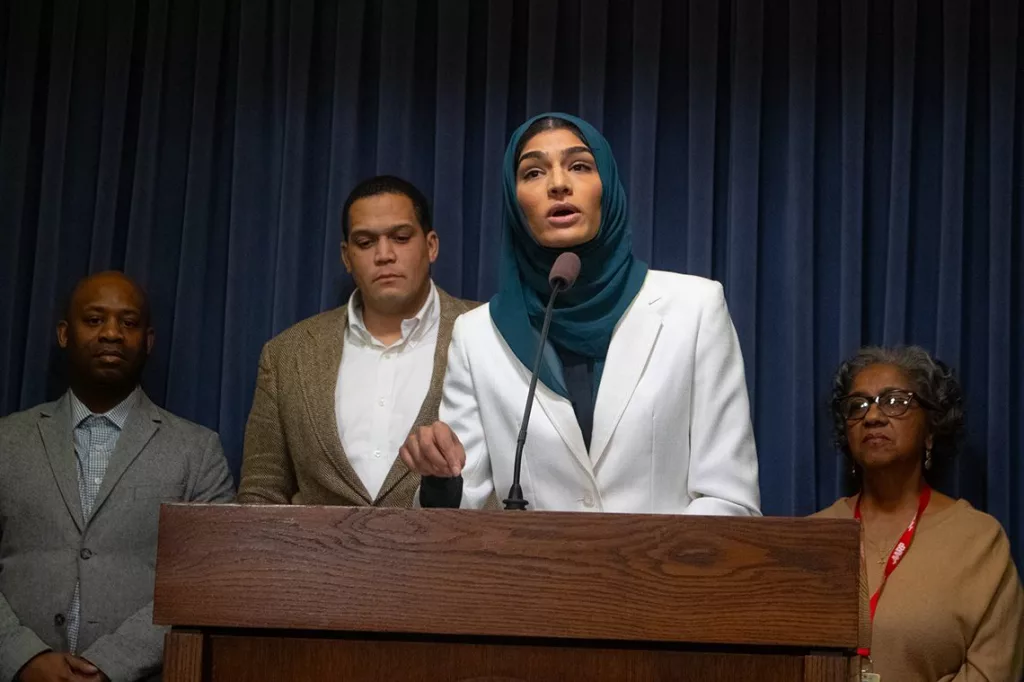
434, 450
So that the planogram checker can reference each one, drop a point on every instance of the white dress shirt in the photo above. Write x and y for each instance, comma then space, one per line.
380, 389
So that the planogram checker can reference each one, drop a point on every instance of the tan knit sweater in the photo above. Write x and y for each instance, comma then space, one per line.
953, 610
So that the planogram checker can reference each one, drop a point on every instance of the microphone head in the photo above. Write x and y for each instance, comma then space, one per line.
565, 270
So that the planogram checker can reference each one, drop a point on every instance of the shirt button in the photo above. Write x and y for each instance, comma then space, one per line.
97, 481
58, 620
381, 402
588, 500
376, 453
86, 553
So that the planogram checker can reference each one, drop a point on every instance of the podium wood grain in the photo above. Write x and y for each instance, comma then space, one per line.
827, 667
741, 581
297, 659
183, 656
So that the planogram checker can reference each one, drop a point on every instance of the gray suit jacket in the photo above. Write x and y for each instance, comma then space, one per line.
45, 546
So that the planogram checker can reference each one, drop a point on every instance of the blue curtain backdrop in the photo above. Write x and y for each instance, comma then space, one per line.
850, 170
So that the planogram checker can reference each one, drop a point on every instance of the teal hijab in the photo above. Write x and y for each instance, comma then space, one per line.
609, 280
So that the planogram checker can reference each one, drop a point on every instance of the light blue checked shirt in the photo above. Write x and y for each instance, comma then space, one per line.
95, 439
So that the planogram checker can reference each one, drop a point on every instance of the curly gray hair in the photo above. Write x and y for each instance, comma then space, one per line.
933, 381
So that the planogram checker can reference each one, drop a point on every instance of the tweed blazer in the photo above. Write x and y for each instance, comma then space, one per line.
292, 452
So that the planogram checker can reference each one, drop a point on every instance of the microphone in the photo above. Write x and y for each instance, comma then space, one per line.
441, 492
446, 491
562, 276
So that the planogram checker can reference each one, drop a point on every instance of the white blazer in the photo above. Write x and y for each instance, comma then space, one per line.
672, 431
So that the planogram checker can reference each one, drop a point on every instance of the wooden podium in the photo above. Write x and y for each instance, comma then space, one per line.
282, 594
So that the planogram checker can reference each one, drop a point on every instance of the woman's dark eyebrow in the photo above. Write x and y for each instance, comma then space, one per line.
532, 155
887, 389
569, 151
566, 153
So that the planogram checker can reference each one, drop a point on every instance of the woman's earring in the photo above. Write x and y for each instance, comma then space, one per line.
928, 459
853, 470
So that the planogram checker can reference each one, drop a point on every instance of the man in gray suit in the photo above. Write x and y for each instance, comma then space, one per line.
80, 490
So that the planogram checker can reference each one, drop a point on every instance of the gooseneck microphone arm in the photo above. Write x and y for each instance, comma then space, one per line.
515, 498
440, 491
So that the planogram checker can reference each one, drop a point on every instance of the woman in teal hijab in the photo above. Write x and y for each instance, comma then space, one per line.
642, 397
609, 278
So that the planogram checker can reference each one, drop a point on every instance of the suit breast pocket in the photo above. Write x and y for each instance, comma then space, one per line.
161, 493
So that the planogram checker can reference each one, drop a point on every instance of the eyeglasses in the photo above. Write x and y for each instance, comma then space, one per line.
893, 403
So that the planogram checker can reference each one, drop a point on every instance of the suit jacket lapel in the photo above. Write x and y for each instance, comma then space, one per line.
429, 409
318, 364
561, 415
55, 430
143, 423
627, 358
559, 412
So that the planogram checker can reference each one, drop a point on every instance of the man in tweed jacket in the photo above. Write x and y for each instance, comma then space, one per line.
338, 393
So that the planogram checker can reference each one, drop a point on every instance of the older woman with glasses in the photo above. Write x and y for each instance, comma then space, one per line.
953, 610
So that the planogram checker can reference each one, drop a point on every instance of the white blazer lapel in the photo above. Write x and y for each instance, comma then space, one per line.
559, 412
562, 417
630, 349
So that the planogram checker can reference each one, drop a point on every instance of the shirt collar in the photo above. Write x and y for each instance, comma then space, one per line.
413, 328
118, 415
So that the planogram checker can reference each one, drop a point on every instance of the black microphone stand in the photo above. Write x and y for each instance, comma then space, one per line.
515, 498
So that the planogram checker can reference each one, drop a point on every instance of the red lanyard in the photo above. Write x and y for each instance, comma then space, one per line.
898, 552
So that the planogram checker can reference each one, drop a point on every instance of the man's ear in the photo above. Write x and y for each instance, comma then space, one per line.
345, 258
433, 245
62, 334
